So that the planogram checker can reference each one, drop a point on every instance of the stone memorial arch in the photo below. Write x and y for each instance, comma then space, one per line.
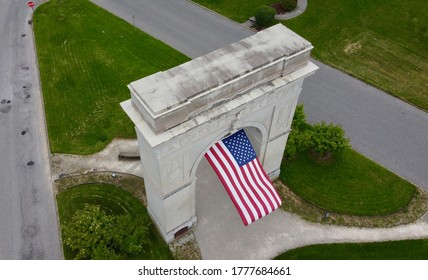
180, 113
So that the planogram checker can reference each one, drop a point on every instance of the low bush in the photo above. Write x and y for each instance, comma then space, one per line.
265, 16
324, 139
300, 138
328, 139
93, 234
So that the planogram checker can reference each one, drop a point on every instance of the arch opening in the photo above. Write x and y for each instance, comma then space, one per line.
212, 202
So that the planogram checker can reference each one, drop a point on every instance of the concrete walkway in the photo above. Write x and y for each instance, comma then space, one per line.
301, 7
220, 233
105, 160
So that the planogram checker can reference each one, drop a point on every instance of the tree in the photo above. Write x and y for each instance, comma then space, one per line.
299, 138
298, 141
323, 139
328, 139
95, 235
265, 16
299, 118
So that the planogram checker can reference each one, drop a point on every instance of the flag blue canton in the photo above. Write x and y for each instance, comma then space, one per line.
240, 147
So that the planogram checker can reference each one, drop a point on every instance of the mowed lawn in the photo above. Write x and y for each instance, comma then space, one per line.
392, 250
349, 184
384, 42
87, 57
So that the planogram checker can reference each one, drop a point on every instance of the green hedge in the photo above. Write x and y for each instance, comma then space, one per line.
265, 16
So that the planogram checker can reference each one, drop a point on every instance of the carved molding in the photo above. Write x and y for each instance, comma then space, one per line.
232, 118
175, 171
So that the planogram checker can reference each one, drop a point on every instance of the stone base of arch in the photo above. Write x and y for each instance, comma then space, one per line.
253, 84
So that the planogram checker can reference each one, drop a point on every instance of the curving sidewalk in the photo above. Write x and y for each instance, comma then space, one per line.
220, 233
301, 7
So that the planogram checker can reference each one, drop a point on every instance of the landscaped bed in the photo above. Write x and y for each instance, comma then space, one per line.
348, 183
114, 201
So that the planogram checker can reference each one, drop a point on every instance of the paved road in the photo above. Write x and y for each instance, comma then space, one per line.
381, 127
28, 221
181, 24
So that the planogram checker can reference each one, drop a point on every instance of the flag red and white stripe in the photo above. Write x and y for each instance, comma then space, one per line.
235, 163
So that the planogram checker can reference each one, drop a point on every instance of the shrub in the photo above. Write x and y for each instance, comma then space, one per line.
298, 141
328, 139
265, 16
323, 139
299, 118
300, 138
288, 5
93, 234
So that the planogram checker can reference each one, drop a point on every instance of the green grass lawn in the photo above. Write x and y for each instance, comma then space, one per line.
393, 250
114, 201
87, 57
384, 42
348, 184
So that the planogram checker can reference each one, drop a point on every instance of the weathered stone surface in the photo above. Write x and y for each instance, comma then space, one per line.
168, 98
180, 113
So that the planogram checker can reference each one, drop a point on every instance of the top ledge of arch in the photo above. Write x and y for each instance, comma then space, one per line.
205, 118
166, 99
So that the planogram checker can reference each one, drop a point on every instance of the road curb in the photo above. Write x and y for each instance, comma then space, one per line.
219, 15
45, 127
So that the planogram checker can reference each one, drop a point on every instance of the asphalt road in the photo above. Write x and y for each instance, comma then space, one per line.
184, 26
28, 220
381, 127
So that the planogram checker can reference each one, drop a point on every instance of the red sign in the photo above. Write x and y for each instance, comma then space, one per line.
30, 4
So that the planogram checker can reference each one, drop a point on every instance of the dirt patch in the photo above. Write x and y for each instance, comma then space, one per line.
415, 210
352, 48
325, 158
186, 248
278, 8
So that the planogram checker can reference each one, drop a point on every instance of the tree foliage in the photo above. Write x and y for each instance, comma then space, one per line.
322, 138
265, 16
299, 138
328, 138
299, 118
298, 141
93, 234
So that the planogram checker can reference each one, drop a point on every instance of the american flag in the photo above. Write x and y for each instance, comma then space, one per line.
236, 164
